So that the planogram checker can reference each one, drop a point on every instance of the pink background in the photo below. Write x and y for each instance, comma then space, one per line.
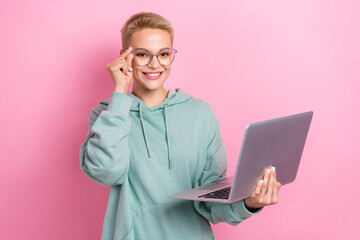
251, 60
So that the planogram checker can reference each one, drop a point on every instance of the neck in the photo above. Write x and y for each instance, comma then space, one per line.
151, 98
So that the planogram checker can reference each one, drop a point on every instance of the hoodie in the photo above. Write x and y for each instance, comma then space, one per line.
147, 154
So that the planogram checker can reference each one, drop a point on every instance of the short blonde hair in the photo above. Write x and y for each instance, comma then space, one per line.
141, 20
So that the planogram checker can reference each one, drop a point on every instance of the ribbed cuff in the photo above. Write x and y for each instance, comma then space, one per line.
120, 103
241, 210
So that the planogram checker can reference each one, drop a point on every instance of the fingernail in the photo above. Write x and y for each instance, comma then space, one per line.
130, 68
128, 73
273, 169
268, 171
261, 181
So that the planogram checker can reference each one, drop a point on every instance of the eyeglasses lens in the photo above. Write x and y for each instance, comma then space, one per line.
142, 57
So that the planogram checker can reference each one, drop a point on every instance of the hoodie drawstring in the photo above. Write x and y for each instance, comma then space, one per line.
143, 128
167, 135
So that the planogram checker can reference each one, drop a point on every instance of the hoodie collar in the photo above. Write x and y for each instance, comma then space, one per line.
174, 97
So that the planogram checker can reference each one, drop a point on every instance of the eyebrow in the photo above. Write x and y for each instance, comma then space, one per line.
149, 50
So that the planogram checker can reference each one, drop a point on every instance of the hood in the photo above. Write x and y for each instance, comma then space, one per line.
174, 97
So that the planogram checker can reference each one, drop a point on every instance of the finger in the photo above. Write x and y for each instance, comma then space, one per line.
128, 63
129, 60
118, 66
126, 52
275, 176
123, 66
265, 182
270, 190
277, 185
127, 68
129, 73
275, 197
119, 62
124, 63
258, 187
123, 55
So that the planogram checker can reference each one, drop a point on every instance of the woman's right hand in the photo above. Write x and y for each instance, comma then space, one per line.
121, 71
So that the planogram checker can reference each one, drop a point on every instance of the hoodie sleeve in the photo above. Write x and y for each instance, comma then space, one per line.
215, 168
104, 155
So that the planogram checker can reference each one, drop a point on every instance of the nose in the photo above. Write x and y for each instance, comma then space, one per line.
154, 63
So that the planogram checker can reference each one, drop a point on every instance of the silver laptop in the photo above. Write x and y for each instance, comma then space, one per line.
278, 142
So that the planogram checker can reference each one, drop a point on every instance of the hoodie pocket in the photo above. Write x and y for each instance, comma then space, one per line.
177, 220
129, 235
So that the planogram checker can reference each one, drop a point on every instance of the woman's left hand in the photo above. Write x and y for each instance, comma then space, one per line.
266, 192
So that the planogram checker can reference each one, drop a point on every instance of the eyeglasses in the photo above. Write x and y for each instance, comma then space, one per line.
143, 56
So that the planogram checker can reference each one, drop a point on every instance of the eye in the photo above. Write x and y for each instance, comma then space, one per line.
164, 54
141, 54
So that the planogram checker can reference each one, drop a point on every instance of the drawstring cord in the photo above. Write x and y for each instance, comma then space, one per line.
167, 135
143, 128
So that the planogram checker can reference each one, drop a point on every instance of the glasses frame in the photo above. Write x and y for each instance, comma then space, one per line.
152, 55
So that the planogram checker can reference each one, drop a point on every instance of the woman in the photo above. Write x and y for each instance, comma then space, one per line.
152, 143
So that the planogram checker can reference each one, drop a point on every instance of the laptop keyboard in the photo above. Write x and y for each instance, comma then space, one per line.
218, 194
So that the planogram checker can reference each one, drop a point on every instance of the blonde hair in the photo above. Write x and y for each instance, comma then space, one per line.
141, 20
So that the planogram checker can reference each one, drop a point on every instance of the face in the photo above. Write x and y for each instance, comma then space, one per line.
153, 40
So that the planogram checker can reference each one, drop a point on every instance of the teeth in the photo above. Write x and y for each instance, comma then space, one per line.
152, 74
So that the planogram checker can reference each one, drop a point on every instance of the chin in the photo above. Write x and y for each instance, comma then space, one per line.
149, 85
153, 87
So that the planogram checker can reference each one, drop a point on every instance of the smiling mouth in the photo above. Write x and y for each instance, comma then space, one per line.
152, 74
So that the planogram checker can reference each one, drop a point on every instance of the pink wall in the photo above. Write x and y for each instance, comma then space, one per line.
256, 59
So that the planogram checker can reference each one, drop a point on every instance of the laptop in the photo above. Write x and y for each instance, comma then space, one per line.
278, 142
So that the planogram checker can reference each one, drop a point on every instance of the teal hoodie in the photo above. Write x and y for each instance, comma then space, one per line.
146, 154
